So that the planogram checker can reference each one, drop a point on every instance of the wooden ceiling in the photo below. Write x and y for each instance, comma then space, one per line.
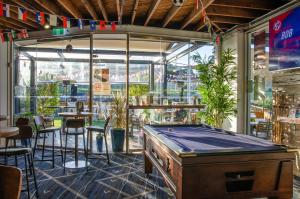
223, 14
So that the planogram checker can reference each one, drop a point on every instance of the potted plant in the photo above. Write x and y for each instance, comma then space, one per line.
137, 91
118, 114
99, 142
215, 88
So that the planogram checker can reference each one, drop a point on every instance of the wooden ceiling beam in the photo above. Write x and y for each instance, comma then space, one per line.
102, 8
228, 20
173, 11
136, 3
151, 10
248, 4
27, 24
217, 26
68, 6
232, 12
200, 26
118, 8
9, 22
90, 8
224, 26
121, 11
196, 13
49, 6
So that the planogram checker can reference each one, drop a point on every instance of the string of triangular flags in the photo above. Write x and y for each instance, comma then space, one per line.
208, 23
42, 18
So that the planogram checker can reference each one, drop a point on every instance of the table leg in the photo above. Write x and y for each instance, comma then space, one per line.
76, 150
148, 165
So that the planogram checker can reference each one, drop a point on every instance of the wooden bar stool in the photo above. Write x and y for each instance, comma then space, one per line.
101, 130
75, 124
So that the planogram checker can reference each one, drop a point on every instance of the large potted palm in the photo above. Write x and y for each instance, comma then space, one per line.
118, 113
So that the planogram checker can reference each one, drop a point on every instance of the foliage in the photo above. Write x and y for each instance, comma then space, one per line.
215, 87
47, 95
138, 89
118, 110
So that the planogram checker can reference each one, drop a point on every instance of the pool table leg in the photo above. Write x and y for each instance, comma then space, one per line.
148, 165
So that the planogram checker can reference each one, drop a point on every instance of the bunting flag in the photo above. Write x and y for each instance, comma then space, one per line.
24, 33
92, 25
8, 37
113, 26
2, 37
1, 9
102, 25
22, 14
6, 10
80, 24
66, 22
14, 34
40, 18
53, 20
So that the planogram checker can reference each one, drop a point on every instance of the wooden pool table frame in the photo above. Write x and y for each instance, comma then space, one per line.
220, 175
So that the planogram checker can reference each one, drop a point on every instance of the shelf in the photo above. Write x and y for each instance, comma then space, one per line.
165, 106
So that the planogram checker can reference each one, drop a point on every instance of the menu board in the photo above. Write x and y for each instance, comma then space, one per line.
101, 85
284, 40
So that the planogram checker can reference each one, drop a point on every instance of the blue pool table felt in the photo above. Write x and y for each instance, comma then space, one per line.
205, 139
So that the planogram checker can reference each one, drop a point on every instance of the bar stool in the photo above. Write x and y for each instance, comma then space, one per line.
75, 124
41, 129
101, 130
28, 158
24, 135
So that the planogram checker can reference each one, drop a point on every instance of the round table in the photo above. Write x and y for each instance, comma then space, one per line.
8, 131
77, 163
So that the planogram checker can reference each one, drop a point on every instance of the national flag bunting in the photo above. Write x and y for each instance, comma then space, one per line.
92, 25
53, 20
6, 10
22, 14
113, 26
2, 37
40, 18
8, 37
13, 34
102, 25
1, 9
80, 24
66, 22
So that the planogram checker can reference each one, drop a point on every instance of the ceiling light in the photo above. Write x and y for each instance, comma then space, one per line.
46, 26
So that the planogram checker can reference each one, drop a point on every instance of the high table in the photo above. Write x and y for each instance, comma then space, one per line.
65, 115
8, 131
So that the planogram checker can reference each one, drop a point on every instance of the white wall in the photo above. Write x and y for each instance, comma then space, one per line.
236, 41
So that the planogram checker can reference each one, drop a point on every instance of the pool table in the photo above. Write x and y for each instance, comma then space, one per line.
199, 161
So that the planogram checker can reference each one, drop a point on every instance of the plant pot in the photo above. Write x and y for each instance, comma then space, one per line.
99, 142
117, 139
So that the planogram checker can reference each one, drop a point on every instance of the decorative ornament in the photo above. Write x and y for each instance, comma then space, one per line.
102, 25
178, 2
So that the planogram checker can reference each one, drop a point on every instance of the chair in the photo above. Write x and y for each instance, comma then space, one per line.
74, 124
28, 157
98, 129
263, 127
41, 129
11, 182
134, 122
25, 135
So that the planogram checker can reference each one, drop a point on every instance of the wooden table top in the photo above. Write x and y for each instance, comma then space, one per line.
3, 117
75, 114
8, 131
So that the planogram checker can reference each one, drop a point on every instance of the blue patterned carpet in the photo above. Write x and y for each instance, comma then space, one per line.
123, 178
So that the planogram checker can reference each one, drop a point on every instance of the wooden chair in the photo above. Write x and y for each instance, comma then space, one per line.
102, 130
263, 127
10, 182
41, 129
